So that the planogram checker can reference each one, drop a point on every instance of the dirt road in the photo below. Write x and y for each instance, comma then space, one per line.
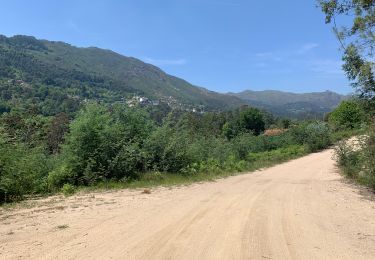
298, 210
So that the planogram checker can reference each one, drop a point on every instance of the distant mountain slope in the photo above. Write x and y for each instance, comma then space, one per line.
44, 71
306, 105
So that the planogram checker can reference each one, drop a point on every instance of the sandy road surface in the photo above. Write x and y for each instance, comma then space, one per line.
298, 210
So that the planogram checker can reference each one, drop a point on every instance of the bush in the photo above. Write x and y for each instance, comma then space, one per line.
60, 175
128, 162
368, 163
22, 170
357, 161
106, 145
348, 115
234, 164
348, 158
68, 189
316, 135
246, 119
167, 150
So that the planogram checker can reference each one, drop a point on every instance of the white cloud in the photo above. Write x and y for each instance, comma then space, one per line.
306, 48
160, 62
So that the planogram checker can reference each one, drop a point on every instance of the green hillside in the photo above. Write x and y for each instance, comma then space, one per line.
286, 104
56, 76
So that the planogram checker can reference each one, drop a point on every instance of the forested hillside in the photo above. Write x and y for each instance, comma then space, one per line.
56, 77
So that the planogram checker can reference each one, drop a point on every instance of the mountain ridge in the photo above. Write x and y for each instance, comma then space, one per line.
289, 104
56, 64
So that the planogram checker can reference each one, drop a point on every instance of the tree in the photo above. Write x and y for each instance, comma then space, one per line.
56, 131
357, 41
243, 120
285, 123
90, 145
251, 119
347, 115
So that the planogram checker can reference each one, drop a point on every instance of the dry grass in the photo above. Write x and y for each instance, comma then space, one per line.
274, 132
146, 191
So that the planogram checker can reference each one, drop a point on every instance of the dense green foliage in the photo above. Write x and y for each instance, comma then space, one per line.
316, 135
348, 115
121, 144
23, 170
250, 120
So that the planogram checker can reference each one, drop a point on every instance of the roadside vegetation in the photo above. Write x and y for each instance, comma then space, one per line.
356, 157
357, 41
116, 146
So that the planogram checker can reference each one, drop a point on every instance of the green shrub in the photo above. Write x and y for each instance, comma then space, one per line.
106, 145
210, 166
247, 143
357, 161
68, 189
316, 135
234, 164
348, 115
60, 175
22, 170
168, 151
128, 162
348, 158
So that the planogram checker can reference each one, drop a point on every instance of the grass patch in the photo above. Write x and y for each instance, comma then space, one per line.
68, 189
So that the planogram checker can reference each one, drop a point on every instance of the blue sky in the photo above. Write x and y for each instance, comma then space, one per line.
223, 45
